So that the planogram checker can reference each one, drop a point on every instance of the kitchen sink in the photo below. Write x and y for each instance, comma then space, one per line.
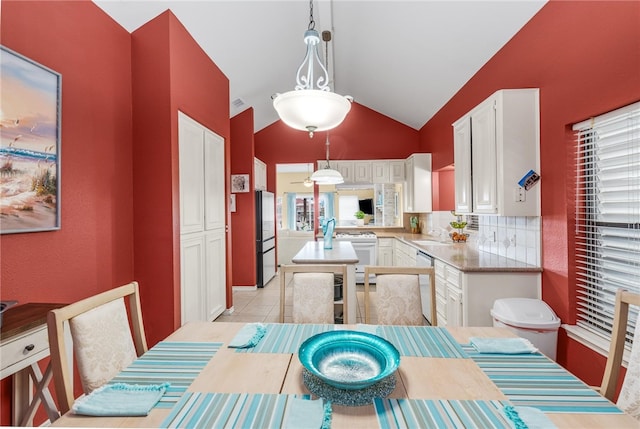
429, 243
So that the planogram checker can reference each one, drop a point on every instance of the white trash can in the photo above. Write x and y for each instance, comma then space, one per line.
529, 318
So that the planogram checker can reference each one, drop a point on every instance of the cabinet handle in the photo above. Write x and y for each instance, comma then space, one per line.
29, 347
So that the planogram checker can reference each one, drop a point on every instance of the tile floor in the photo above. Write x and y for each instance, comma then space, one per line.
263, 305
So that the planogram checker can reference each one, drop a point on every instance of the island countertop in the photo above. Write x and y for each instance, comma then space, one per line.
313, 252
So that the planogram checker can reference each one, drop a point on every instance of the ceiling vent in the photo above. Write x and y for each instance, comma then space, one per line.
237, 106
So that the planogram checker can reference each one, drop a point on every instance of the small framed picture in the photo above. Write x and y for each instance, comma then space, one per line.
239, 183
232, 203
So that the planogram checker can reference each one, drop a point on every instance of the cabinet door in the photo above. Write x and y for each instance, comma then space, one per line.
483, 158
462, 160
192, 272
346, 169
260, 175
214, 185
190, 150
362, 171
408, 185
454, 307
215, 290
380, 171
396, 171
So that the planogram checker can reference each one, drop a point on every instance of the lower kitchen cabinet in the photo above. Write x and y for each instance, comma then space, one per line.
404, 255
466, 298
385, 251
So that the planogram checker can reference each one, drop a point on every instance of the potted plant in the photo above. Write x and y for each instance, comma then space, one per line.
359, 218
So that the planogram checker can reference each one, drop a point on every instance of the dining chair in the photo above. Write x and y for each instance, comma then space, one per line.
312, 291
629, 397
398, 299
103, 341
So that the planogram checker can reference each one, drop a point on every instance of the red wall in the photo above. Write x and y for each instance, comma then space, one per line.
584, 57
243, 220
185, 79
93, 251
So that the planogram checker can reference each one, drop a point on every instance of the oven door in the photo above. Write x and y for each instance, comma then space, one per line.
366, 252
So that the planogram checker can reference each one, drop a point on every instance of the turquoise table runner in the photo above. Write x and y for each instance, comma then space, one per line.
178, 363
422, 341
423, 413
285, 337
533, 380
229, 410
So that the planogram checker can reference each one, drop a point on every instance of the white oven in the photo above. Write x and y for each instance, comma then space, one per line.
365, 244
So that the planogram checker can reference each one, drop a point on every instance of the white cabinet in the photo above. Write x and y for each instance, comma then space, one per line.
346, 169
466, 298
202, 221
396, 171
404, 255
260, 175
362, 172
495, 145
417, 189
380, 171
385, 252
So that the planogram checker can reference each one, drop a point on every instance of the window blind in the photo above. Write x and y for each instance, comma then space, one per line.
607, 216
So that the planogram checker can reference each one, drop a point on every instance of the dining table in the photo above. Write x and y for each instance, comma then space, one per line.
441, 381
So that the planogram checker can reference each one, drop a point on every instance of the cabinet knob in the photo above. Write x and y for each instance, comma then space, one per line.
29, 347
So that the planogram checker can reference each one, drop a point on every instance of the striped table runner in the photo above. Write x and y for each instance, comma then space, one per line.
533, 380
285, 337
178, 363
422, 341
229, 410
423, 413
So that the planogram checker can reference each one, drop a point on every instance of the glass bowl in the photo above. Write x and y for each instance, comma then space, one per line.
349, 360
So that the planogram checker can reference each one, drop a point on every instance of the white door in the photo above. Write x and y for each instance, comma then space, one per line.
190, 152
193, 276
202, 210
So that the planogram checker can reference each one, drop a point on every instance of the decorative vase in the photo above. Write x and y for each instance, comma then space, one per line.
327, 232
359, 222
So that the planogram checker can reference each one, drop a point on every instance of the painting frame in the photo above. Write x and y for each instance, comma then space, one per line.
239, 183
30, 145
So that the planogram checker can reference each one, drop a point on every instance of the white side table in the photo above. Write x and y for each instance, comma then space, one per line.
24, 342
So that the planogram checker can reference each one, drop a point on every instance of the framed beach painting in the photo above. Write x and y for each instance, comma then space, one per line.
29, 145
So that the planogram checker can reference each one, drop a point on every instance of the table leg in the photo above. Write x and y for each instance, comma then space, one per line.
25, 403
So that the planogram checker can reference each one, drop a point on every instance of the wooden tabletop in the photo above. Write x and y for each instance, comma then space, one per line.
21, 318
281, 373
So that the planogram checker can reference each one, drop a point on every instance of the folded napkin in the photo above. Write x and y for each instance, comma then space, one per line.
248, 336
503, 345
120, 399
307, 413
527, 418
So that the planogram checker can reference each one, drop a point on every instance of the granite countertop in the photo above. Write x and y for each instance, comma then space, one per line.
462, 256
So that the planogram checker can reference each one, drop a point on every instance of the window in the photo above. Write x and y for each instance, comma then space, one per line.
607, 216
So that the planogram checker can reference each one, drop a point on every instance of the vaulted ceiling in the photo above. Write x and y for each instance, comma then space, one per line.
404, 59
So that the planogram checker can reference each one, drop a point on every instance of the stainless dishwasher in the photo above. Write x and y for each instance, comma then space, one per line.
425, 260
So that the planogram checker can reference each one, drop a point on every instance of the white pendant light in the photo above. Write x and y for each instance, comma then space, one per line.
327, 176
312, 106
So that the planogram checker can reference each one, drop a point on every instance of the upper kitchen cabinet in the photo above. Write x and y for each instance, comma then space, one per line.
495, 145
260, 175
417, 189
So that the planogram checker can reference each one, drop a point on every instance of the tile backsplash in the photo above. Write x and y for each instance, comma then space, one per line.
513, 237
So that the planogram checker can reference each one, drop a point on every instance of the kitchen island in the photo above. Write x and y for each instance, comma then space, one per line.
342, 252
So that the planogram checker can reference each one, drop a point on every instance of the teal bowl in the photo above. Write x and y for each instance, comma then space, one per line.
350, 360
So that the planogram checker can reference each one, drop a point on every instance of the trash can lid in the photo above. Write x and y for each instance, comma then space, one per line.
525, 313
